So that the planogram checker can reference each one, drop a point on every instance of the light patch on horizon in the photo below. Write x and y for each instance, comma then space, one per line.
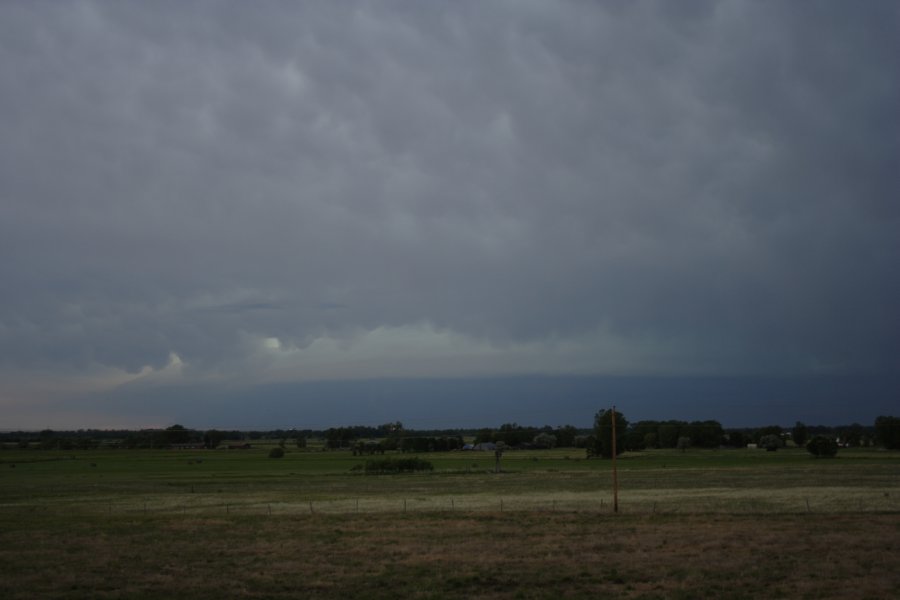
423, 351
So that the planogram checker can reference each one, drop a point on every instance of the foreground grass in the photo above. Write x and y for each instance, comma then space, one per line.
444, 555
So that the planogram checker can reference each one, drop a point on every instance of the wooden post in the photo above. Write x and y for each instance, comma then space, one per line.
614, 473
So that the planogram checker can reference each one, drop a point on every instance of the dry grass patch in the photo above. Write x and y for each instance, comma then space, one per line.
438, 555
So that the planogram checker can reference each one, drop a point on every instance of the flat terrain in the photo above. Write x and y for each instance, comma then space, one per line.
204, 524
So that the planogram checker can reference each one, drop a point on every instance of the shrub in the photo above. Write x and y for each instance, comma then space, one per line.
277, 452
822, 447
771, 442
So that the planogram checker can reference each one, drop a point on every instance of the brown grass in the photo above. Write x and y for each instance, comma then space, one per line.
444, 555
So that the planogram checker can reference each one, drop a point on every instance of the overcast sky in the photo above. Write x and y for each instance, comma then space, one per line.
247, 196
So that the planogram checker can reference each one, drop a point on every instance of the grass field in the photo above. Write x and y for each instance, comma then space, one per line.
204, 524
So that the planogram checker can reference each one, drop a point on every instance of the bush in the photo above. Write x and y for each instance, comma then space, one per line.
822, 447
276, 452
771, 442
397, 465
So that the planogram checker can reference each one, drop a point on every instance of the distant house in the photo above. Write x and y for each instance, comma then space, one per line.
468, 447
485, 446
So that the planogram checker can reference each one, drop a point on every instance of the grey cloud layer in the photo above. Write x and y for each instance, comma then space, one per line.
722, 176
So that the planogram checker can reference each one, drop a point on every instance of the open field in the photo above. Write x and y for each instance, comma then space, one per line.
729, 523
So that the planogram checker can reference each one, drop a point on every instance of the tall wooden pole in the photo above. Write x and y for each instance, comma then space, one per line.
614, 473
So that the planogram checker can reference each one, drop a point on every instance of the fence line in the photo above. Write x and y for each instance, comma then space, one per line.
868, 501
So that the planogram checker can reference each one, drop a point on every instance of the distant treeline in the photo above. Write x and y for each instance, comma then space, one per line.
366, 439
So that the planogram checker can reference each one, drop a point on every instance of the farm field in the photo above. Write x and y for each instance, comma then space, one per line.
203, 524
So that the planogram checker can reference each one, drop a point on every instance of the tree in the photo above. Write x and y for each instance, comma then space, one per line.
393, 434
704, 434
668, 433
484, 435
737, 438
545, 441
565, 436
212, 438
177, 434
603, 434
771, 442
887, 432
822, 446
851, 435
277, 452
775, 430
800, 434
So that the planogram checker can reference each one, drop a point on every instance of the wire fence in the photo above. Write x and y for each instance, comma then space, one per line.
718, 501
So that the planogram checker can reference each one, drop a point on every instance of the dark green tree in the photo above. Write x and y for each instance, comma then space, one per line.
177, 434
887, 432
800, 434
851, 435
775, 430
771, 442
565, 436
484, 435
603, 434
545, 441
212, 438
393, 434
668, 433
704, 434
822, 446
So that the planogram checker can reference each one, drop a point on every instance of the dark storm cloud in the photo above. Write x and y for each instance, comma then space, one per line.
718, 178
